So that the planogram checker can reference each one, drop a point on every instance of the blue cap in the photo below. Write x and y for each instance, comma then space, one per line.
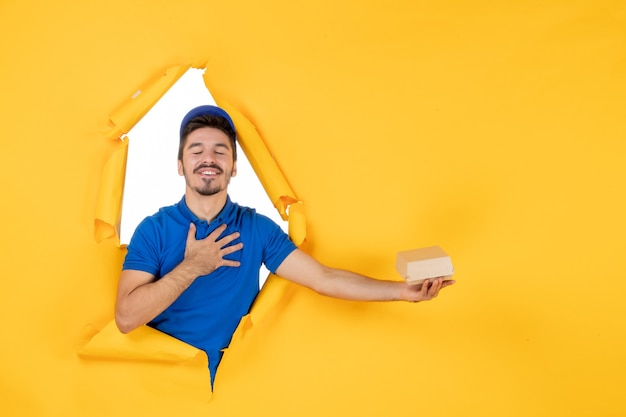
207, 110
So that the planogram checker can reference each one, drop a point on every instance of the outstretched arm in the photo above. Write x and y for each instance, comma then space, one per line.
140, 297
303, 269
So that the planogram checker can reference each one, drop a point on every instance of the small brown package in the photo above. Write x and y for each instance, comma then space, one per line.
417, 265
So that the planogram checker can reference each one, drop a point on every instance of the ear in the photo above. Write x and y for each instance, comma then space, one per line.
180, 168
234, 169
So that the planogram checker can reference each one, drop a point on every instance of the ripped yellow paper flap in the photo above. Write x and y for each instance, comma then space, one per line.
109, 204
262, 161
142, 344
297, 223
143, 99
273, 293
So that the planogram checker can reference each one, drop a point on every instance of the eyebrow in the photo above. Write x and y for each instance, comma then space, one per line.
222, 145
194, 145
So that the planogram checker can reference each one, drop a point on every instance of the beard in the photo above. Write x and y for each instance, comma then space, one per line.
209, 186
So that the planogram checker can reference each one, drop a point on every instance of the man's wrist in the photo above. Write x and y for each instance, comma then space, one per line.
400, 291
187, 272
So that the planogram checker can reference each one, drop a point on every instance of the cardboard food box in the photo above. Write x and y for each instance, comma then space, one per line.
417, 265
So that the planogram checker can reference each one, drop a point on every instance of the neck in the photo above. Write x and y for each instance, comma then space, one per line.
205, 207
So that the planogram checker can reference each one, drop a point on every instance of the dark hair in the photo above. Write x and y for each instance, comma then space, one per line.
216, 122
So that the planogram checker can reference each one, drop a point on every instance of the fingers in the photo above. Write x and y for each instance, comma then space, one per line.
227, 239
433, 291
232, 248
227, 250
226, 262
424, 290
215, 234
447, 282
224, 242
430, 290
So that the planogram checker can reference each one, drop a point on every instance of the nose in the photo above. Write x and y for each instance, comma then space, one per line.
208, 158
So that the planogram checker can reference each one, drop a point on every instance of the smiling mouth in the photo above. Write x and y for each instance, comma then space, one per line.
208, 171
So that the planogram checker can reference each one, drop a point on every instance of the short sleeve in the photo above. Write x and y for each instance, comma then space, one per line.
276, 243
142, 251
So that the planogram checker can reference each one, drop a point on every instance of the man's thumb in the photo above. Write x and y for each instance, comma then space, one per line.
192, 231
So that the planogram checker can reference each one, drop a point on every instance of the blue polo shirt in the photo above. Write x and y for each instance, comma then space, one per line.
207, 313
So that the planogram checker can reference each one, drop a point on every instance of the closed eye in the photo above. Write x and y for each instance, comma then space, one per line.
221, 149
195, 148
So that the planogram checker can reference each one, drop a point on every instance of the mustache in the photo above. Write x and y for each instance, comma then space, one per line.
212, 166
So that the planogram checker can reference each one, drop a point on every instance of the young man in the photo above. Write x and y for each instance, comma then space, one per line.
192, 269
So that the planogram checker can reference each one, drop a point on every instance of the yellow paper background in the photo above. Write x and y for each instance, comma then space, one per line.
495, 130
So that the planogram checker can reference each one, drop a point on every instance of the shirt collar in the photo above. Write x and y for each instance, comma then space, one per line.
226, 214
